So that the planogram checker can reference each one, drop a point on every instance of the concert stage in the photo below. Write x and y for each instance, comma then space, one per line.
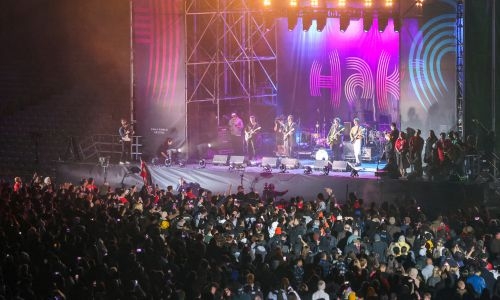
433, 196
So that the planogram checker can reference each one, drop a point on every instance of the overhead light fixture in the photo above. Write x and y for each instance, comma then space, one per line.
388, 3
344, 22
368, 3
367, 22
292, 19
293, 3
308, 170
419, 3
314, 3
397, 23
266, 3
306, 21
341, 3
382, 23
321, 19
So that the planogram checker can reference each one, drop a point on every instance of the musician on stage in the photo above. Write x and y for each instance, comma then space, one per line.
416, 146
252, 131
278, 131
236, 132
289, 136
335, 139
126, 132
356, 136
166, 150
394, 134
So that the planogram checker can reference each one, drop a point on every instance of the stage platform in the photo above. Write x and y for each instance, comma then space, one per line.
434, 196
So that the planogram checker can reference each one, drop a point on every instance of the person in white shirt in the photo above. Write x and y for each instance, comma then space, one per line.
320, 293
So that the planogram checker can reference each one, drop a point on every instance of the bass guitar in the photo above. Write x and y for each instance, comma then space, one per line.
249, 134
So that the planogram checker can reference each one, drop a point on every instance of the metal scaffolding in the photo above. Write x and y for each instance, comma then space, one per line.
460, 67
231, 53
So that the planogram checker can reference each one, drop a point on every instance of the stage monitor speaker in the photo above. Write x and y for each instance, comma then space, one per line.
290, 163
340, 165
272, 161
320, 164
237, 159
219, 159
366, 153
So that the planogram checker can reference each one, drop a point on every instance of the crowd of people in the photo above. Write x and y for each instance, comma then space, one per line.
85, 241
445, 156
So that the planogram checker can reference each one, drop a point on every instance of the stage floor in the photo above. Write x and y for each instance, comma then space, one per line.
435, 196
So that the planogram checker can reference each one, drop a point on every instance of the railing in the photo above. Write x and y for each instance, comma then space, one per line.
100, 145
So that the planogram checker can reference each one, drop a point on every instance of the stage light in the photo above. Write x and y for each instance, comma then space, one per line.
321, 22
168, 162
306, 22
293, 3
419, 3
341, 3
314, 3
326, 170
388, 3
382, 23
209, 145
282, 168
308, 170
397, 23
368, 3
267, 3
367, 22
344, 22
202, 163
267, 168
292, 19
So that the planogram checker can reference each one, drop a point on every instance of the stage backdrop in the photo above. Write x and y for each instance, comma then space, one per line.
159, 72
428, 67
348, 74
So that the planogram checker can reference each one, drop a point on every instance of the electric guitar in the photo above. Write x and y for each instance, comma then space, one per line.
249, 134
129, 132
333, 138
359, 135
288, 133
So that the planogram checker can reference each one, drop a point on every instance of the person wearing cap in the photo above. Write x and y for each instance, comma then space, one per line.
236, 132
320, 293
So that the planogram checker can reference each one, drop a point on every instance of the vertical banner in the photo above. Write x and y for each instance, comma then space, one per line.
159, 72
428, 68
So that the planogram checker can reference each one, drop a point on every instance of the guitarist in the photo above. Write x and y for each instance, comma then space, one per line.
336, 138
251, 137
126, 132
289, 135
356, 135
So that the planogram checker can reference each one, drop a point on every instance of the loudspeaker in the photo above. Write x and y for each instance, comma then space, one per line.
219, 159
237, 159
366, 153
320, 164
272, 161
340, 165
290, 163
